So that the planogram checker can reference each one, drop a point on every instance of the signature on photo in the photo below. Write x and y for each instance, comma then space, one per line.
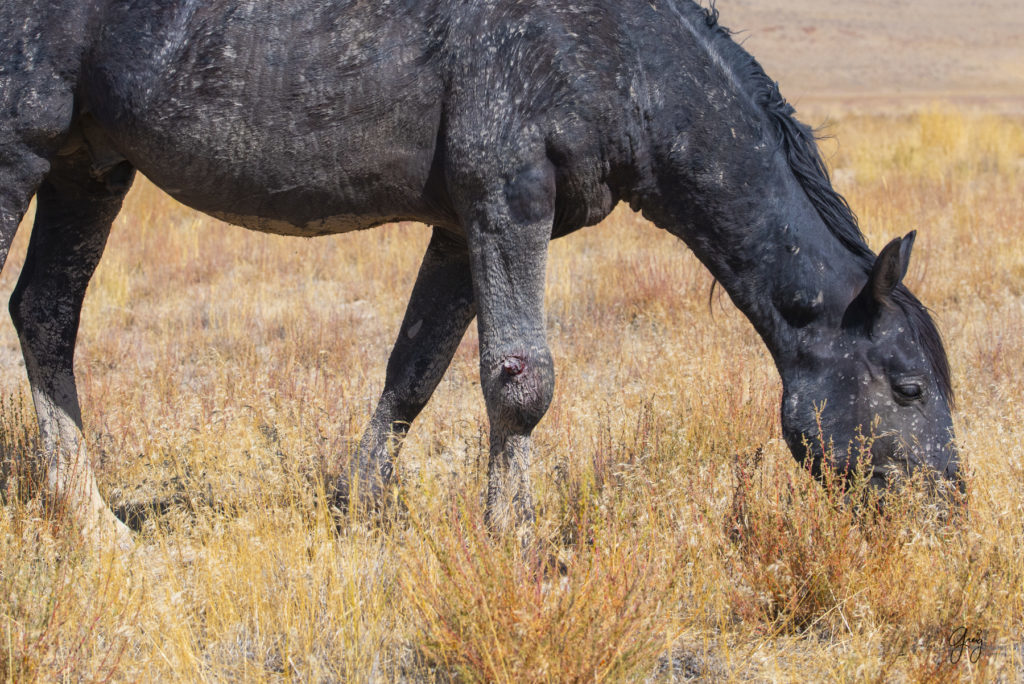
962, 639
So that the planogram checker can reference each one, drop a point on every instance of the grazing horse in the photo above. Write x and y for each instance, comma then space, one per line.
501, 123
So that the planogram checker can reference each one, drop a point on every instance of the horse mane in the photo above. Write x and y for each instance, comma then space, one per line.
799, 144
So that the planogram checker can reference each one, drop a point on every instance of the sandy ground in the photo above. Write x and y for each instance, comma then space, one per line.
887, 53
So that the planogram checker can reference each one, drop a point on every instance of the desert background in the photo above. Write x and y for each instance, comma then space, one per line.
226, 376
873, 55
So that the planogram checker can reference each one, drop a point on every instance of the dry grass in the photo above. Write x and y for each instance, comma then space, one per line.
224, 374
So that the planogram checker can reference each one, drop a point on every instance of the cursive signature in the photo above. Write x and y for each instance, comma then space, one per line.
962, 640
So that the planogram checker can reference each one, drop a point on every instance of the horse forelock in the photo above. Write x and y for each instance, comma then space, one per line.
799, 143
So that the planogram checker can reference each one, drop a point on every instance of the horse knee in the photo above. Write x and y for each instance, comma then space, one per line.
520, 388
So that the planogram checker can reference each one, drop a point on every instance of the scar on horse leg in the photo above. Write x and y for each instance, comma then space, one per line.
73, 219
439, 311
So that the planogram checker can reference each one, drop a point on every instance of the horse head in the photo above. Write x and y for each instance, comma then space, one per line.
875, 386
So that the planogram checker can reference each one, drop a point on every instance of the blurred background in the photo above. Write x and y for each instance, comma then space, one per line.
887, 54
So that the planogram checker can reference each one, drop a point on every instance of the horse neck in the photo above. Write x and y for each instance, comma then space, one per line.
709, 170
752, 225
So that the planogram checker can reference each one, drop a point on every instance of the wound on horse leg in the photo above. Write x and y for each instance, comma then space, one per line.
513, 366
521, 393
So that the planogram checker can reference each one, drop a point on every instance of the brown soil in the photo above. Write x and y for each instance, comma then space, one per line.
887, 53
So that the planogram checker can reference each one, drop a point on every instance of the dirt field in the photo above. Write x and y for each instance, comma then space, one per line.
224, 374
887, 53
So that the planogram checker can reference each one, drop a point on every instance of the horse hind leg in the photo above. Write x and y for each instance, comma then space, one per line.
75, 209
21, 171
440, 309
36, 112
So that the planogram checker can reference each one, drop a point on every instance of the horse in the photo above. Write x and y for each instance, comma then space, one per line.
503, 124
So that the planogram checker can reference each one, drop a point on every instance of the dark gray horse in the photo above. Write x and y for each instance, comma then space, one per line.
502, 123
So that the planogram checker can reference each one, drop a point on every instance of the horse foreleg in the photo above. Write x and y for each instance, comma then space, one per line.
508, 235
440, 309
73, 219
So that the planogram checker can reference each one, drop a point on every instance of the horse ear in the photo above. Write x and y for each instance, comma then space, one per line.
889, 269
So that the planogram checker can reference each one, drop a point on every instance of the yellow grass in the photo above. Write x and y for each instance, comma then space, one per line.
225, 375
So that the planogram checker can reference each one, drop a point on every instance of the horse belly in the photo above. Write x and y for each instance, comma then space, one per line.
328, 225
239, 116
298, 192
345, 178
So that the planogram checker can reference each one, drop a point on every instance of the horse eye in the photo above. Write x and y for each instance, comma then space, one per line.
909, 391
